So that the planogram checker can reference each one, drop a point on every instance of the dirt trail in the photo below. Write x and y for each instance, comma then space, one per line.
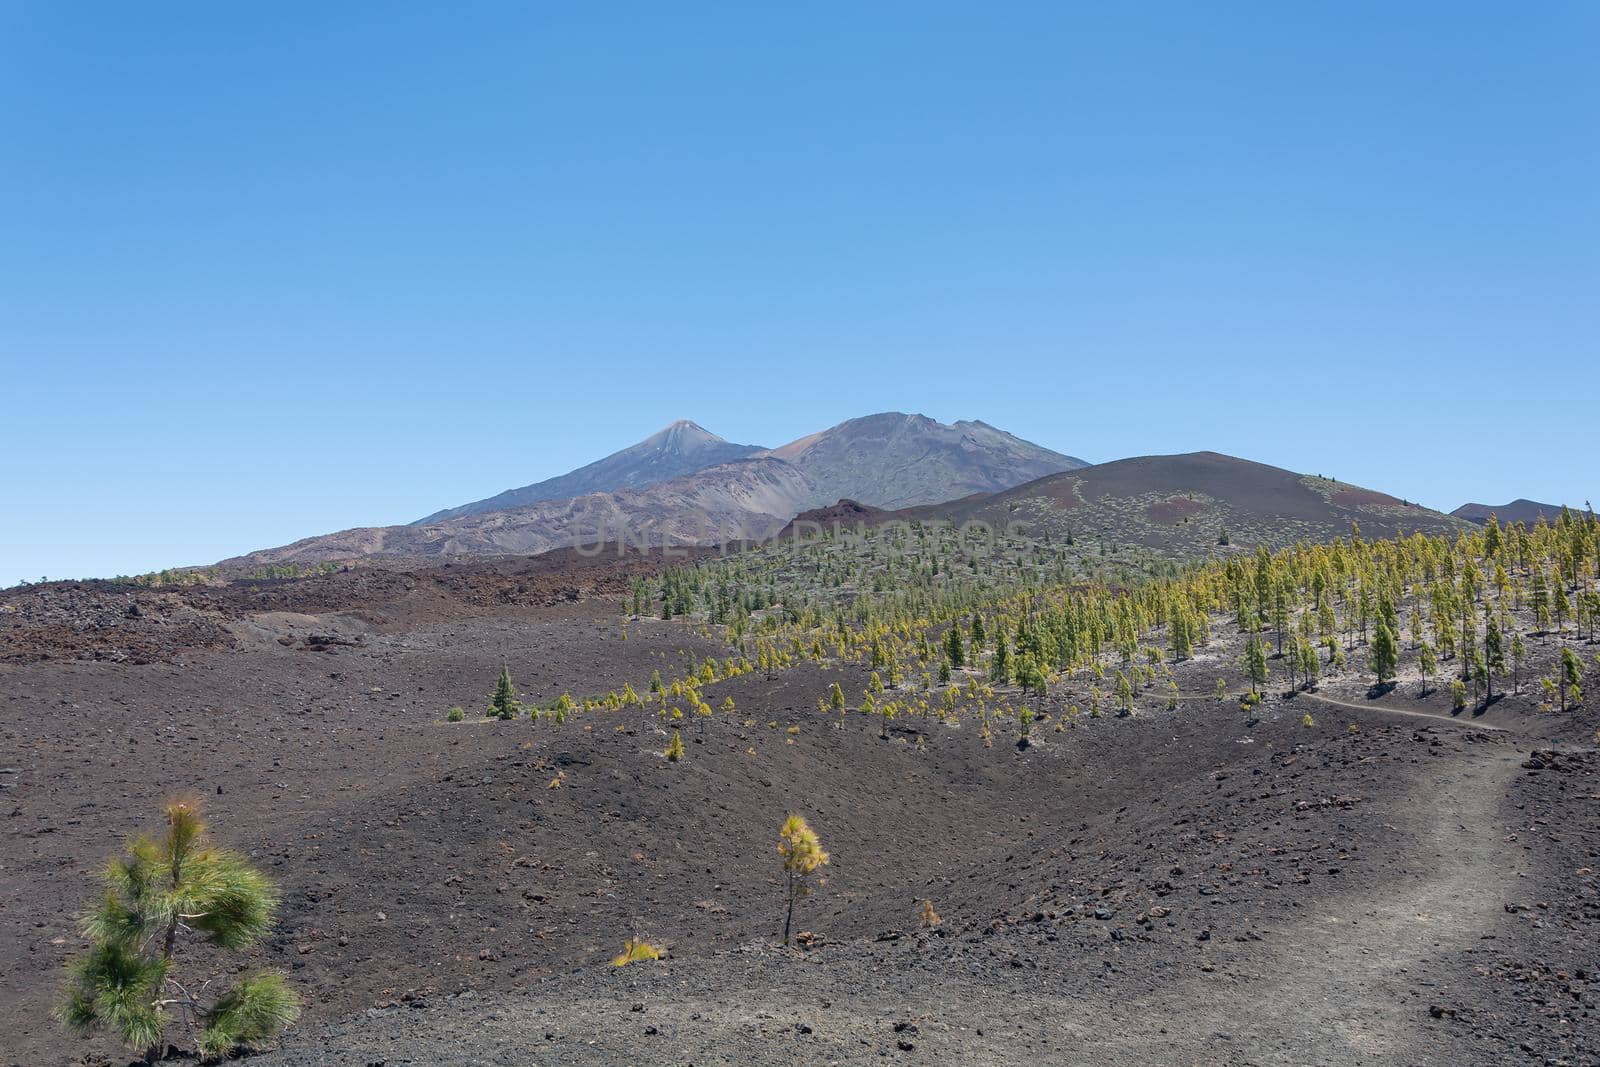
1385, 710
1353, 985
1201, 698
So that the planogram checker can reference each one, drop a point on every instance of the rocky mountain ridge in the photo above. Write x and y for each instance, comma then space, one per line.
890, 459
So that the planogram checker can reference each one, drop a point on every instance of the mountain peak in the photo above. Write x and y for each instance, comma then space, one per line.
683, 447
682, 430
893, 459
686, 424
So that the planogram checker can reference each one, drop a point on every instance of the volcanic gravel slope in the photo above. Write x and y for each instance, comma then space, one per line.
1177, 887
1183, 504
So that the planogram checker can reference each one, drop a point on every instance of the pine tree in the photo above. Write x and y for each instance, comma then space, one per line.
1539, 597
1031, 677
1255, 664
1494, 656
1280, 613
1427, 663
802, 856
1385, 652
1309, 664
1571, 679
1000, 668
1182, 636
1124, 692
953, 649
504, 703
160, 893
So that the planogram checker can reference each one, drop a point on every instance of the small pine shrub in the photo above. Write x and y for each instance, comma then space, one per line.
455, 715
504, 704
158, 896
802, 855
674, 750
636, 950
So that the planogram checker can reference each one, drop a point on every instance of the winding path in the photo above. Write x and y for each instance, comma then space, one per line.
1344, 989
1384, 709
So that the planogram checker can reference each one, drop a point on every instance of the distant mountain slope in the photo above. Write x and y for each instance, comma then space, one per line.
895, 460
1184, 503
747, 498
892, 459
680, 449
1520, 510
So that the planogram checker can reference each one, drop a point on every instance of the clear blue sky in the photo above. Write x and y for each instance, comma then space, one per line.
277, 269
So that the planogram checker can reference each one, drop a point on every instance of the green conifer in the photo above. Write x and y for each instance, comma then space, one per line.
158, 895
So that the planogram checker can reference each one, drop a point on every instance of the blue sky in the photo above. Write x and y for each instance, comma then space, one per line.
278, 269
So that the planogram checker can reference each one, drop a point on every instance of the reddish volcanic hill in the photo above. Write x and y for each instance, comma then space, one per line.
1520, 510
1190, 503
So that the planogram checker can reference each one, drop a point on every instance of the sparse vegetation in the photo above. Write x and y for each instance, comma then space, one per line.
923, 629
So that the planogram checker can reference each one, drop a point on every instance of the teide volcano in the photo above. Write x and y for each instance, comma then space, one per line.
682, 448
687, 485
